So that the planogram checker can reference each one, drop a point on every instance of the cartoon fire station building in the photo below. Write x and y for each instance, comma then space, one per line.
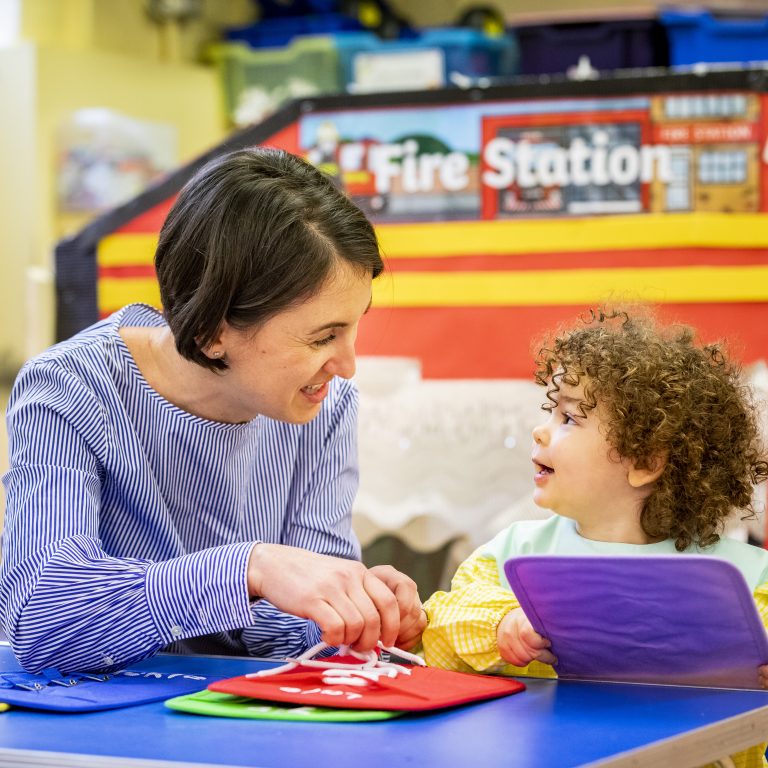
715, 156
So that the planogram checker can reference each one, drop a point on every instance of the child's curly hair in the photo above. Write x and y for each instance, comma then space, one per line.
663, 396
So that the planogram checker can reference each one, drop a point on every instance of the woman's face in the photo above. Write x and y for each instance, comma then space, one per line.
282, 370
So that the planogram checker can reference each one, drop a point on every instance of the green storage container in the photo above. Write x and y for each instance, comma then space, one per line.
256, 81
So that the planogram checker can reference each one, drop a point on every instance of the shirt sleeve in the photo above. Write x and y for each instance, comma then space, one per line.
64, 602
325, 484
461, 633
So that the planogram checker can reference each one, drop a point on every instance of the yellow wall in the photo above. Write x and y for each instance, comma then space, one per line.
19, 219
124, 26
74, 54
184, 95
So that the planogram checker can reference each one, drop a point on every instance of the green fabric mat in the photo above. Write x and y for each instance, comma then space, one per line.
226, 705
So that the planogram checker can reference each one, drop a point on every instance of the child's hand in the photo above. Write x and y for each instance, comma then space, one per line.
519, 643
762, 673
413, 620
411, 629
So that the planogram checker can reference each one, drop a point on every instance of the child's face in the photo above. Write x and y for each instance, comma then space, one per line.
578, 475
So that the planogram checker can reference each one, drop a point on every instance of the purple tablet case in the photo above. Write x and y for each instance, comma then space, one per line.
54, 692
683, 620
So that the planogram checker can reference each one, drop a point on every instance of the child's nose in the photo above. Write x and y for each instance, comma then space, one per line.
540, 434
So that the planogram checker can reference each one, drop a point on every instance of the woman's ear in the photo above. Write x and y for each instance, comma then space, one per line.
215, 347
642, 476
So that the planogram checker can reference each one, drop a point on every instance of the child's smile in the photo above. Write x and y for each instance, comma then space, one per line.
542, 471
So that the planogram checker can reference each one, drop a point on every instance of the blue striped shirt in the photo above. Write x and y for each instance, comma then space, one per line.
129, 521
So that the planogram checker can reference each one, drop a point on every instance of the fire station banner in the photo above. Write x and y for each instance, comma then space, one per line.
502, 212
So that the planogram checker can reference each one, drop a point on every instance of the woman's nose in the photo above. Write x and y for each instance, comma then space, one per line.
343, 362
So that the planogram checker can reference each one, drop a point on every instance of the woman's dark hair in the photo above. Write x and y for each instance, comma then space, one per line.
663, 396
253, 233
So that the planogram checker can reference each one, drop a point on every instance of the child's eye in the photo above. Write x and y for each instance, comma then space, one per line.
327, 340
568, 418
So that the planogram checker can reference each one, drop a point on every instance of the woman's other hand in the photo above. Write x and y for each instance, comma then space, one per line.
519, 643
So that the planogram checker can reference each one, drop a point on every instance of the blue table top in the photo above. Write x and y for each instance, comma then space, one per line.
563, 723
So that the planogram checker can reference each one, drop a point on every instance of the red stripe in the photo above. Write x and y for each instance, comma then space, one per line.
127, 271
500, 342
497, 342
535, 261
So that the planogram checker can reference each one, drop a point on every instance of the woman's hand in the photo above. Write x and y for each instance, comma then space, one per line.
351, 604
413, 619
519, 643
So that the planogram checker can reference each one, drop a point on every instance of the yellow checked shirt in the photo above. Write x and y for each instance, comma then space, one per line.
461, 634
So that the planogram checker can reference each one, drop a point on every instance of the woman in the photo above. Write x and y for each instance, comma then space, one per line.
185, 479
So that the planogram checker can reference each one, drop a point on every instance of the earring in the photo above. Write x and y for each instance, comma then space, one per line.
217, 353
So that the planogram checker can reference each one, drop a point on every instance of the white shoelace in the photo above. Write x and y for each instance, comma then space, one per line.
370, 670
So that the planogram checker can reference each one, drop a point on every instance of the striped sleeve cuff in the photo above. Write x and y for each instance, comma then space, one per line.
200, 593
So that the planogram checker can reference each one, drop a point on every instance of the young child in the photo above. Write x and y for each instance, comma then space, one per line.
650, 443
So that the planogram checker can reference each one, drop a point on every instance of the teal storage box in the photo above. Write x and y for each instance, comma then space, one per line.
433, 59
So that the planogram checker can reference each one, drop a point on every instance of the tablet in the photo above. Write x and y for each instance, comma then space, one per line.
680, 620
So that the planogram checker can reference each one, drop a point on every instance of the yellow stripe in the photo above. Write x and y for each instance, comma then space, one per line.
525, 288
607, 233
557, 287
113, 293
458, 238
125, 250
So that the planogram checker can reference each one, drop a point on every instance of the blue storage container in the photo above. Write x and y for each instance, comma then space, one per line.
698, 36
467, 52
279, 31
611, 44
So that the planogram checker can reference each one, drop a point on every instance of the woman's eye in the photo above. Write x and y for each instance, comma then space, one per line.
327, 340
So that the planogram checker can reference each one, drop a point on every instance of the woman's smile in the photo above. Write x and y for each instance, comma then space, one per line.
315, 393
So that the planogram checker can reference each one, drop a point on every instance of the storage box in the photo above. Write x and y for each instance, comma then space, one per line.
428, 60
698, 36
616, 44
266, 77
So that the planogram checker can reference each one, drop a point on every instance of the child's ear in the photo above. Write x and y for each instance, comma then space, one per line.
641, 476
